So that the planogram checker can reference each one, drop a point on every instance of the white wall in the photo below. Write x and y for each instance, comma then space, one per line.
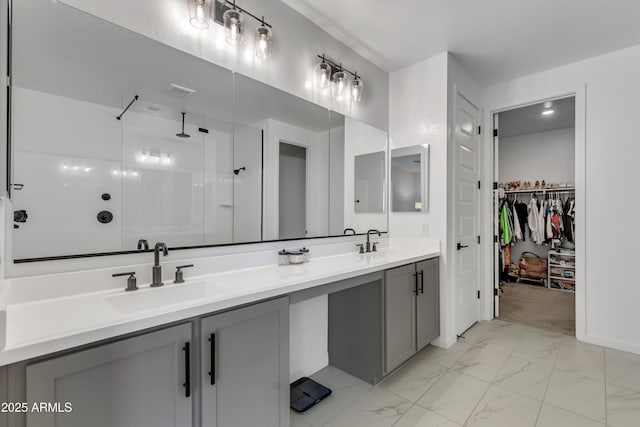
537, 156
418, 115
247, 185
607, 89
336, 181
361, 138
297, 41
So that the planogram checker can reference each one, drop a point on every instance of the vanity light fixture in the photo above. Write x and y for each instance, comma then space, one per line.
199, 11
339, 79
264, 40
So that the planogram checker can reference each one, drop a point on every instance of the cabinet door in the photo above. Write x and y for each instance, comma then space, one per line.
400, 320
245, 366
138, 381
427, 303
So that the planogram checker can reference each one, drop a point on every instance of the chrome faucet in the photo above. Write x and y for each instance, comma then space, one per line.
143, 244
349, 229
369, 242
156, 270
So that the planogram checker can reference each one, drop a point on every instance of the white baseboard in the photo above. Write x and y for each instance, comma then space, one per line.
444, 342
614, 344
310, 367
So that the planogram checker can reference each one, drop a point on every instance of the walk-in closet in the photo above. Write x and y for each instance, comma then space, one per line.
534, 215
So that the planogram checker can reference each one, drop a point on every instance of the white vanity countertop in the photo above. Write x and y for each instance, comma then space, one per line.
46, 326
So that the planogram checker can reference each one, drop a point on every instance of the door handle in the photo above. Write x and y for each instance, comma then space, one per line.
421, 273
187, 369
415, 289
461, 246
212, 359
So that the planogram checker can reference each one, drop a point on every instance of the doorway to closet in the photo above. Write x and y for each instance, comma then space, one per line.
534, 212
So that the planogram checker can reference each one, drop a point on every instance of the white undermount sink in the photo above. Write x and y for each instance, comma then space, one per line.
154, 298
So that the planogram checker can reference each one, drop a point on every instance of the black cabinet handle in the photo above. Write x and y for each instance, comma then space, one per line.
187, 369
421, 273
415, 289
212, 372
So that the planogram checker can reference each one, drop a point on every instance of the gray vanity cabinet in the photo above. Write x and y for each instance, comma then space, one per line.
139, 381
245, 366
411, 310
427, 303
400, 313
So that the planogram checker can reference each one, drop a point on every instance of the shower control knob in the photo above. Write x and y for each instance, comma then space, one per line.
106, 196
105, 217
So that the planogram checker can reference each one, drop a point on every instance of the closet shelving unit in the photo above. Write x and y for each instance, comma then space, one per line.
561, 270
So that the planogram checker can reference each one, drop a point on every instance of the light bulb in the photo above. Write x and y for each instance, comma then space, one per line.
200, 16
234, 26
339, 83
264, 38
323, 74
357, 85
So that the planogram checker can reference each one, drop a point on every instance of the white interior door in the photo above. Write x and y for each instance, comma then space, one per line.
497, 267
467, 213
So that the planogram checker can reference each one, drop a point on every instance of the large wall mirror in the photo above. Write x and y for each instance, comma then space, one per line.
118, 140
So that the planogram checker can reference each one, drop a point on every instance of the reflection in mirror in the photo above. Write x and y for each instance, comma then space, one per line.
99, 176
409, 183
365, 166
369, 182
293, 134
119, 139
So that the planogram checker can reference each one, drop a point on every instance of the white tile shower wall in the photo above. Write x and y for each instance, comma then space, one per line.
162, 182
65, 169
298, 41
606, 157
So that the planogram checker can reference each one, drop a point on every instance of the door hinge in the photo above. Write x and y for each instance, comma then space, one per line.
479, 130
495, 239
478, 239
495, 185
495, 291
495, 133
479, 185
8, 81
478, 294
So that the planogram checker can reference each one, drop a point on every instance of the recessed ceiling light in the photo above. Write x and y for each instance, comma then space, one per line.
547, 112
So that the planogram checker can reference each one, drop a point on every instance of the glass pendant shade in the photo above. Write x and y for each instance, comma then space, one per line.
339, 83
199, 10
323, 75
357, 85
264, 39
234, 26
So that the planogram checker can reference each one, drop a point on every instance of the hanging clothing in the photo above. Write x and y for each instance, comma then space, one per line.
506, 224
517, 231
567, 219
521, 209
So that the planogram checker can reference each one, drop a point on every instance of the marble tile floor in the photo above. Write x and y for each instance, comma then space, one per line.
500, 375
